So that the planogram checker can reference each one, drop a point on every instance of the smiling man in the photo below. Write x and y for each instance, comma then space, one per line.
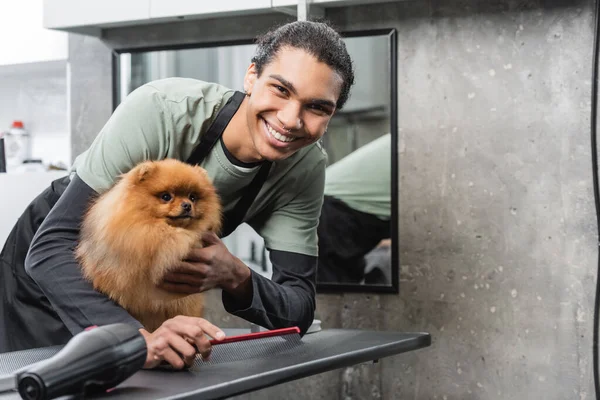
262, 152
286, 110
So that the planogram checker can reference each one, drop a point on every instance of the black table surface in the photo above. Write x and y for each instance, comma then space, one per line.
315, 353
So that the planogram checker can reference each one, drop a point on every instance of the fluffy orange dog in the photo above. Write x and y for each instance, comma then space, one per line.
133, 234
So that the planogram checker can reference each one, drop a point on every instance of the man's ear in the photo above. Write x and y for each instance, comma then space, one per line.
250, 78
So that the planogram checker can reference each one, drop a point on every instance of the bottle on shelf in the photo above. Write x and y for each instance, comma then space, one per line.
17, 145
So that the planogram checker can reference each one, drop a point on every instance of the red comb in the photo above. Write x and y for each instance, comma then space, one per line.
256, 335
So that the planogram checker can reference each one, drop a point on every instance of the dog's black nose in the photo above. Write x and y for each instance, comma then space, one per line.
187, 207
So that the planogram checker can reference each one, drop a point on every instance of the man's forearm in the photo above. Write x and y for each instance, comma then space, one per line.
288, 299
52, 265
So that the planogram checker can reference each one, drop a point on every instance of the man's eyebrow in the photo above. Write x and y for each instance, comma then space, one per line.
321, 102
284, 82
292, 89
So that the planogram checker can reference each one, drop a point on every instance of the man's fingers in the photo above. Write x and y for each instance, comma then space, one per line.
179, 339
183, 348
197, 254
180, 288
174, 341
160, 348
192, 265
194, 329
171, 347
203, 346
209, 237
173, 358
182, 277
210, 329
156, 347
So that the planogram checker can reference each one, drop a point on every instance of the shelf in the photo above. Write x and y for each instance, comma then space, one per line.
92, 16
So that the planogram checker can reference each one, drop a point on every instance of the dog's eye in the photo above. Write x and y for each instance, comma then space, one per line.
193, 197
166, 197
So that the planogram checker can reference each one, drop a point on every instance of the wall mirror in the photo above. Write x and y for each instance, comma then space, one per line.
358, 231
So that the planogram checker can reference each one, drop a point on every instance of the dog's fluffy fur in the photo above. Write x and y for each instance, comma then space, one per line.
135, 233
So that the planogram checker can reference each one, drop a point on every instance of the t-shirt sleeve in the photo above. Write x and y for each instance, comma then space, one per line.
293, 226
135, 132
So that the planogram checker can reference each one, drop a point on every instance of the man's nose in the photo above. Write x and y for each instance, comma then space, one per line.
290, 116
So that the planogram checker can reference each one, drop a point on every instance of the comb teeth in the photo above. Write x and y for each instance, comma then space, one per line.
249, 349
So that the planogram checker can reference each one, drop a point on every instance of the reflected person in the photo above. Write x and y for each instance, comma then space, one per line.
355, 217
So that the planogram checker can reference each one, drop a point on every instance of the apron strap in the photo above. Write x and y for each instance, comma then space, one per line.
212, 135
233, 218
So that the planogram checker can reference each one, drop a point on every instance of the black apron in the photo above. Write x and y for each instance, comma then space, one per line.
345, 237
24, 305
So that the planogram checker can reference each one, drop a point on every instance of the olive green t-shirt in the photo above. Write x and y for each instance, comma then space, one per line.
363, 178
167, 118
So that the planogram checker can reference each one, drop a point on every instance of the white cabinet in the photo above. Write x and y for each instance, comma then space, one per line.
329, 3
24, 38
190, 9
89, 13
90, 16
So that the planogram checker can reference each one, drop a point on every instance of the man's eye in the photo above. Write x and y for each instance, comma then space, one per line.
281, 89
319, 109
166, 197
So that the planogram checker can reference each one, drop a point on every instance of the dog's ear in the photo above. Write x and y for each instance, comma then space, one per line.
144, 171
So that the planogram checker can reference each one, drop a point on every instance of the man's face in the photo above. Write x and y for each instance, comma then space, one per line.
290, 104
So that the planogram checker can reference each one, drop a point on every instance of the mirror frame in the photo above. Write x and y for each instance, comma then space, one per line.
393, 288
391, 33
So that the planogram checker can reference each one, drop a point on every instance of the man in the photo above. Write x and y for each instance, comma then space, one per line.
259, 147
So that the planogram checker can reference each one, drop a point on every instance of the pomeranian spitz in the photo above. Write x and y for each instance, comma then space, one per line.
138, 230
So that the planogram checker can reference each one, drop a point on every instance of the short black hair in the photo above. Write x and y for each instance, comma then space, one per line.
316, 38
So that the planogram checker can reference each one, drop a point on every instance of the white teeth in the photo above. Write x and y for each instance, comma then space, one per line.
278, 135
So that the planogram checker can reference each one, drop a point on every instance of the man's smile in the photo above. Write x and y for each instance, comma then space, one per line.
278, 134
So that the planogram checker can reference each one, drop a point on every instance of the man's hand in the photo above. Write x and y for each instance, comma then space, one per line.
209, 267
175, 339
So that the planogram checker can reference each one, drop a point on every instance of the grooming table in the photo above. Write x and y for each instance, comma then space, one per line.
257, 368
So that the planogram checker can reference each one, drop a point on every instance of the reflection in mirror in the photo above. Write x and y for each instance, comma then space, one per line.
357, 228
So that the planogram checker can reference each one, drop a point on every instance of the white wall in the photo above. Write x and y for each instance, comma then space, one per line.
34, 79
18, 191
37, 95
23, 37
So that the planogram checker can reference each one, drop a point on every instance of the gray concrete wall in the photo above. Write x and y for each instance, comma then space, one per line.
91, 89
497, 225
